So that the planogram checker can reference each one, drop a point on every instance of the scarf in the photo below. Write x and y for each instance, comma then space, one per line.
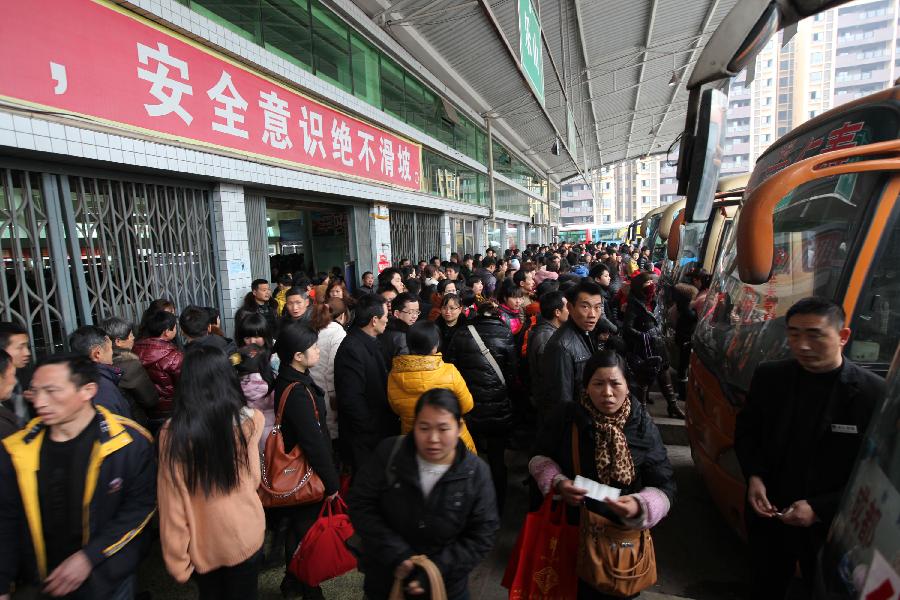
611, 453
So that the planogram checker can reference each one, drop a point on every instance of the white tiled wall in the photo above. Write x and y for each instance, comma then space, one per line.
34, 133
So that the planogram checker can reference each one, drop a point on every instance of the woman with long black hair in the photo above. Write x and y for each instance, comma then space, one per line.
304, 425
211, 518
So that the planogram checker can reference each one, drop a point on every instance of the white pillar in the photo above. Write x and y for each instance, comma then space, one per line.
380, 234
522, 237
446, 237
233, 252
480, 236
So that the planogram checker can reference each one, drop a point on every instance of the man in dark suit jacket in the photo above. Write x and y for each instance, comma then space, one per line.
797, 439
360, 384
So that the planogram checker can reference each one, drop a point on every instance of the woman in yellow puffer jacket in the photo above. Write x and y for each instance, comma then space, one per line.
421, 370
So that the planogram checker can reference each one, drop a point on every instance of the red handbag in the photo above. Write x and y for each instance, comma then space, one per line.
323, 554
542, 564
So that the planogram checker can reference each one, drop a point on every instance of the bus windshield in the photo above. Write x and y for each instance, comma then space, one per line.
689, 249
816, 229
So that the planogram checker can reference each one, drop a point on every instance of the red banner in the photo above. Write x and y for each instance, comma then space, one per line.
97, 60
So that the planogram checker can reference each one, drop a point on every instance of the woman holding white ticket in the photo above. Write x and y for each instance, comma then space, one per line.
607, 437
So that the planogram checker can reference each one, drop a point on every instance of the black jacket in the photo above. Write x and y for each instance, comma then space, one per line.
651, 461
448, 332
610, 310
641, 332
300, 427
108, 393
565, 354
360, 384
454, 527
9, 423
122, 478
268, 310
492, 410
393, 340
537, 340
765, 426
224, 344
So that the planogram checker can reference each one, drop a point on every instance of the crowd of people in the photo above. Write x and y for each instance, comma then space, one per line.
403, 395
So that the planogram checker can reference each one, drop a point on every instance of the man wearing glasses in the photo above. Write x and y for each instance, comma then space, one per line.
404, 312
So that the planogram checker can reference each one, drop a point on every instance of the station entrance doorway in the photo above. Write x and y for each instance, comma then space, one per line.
308, 236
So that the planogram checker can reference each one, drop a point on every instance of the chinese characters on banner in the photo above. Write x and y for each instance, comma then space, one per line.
121, 69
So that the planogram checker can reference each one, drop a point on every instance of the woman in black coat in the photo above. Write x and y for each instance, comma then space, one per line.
489, 422
451, 319
304, 425
618, 445
647, 355
424, 493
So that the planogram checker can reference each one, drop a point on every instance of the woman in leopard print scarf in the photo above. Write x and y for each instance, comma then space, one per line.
614, 463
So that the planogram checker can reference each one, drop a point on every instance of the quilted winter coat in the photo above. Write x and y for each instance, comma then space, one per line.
412, 375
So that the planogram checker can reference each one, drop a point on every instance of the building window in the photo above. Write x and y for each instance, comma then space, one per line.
816, 58
391, 88
812, 114
767, 101
817, 37
332, 48
287, 31
815, 76
767, 120
366, 80
814, 95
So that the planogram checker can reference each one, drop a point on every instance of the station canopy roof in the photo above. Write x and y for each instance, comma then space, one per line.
619, 67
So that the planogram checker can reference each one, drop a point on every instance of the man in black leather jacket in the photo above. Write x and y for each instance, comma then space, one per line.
572, 345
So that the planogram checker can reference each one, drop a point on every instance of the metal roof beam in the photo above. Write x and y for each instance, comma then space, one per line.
637, 93
498, 31
713, 6
590, 90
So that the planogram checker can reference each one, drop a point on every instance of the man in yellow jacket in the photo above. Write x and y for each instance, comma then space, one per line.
81, 481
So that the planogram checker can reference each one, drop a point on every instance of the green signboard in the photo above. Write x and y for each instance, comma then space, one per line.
531, 50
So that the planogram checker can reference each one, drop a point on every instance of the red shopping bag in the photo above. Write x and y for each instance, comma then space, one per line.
322, 555
542, 564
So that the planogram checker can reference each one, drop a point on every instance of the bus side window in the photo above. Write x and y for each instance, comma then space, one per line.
876, 325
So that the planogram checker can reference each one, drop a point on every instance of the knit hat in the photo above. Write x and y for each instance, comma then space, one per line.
514, 264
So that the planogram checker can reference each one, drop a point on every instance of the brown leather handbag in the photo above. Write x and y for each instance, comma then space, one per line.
287, 477
612, 559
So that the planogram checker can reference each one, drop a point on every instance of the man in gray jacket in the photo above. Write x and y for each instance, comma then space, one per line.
554, 313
